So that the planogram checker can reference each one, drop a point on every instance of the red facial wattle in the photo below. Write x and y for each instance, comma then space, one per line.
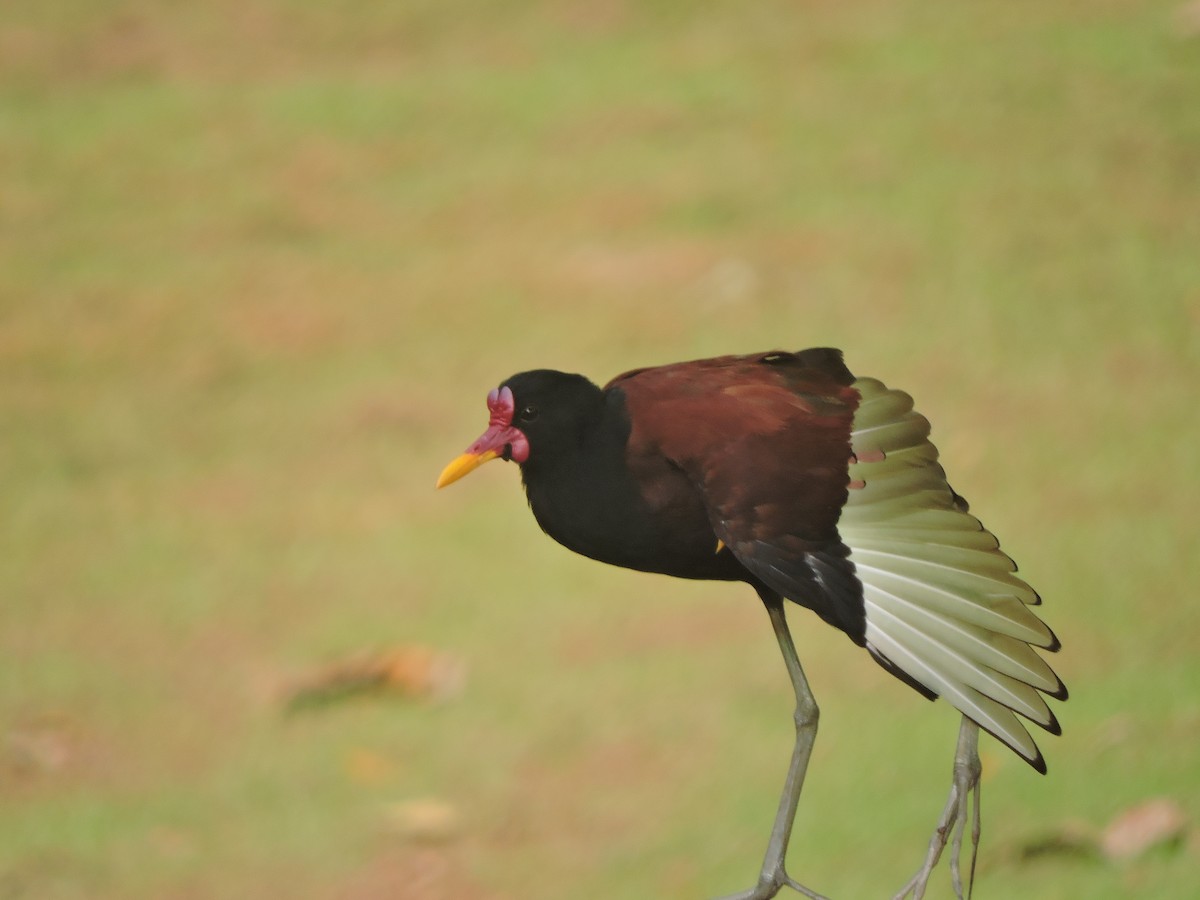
501, 437
502, 440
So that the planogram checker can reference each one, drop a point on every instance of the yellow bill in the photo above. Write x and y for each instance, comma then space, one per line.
464, 465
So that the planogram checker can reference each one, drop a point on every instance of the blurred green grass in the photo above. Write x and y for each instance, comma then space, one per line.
259, 264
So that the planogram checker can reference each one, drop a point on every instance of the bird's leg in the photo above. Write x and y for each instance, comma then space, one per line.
967, 770
773, 875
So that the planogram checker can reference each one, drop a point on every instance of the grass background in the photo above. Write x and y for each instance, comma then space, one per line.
260, 262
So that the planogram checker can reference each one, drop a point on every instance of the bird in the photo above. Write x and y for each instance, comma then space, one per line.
786, 472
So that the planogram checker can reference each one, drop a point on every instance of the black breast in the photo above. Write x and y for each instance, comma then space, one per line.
638, 512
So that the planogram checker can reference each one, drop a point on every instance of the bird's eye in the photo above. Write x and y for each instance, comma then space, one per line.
529, 413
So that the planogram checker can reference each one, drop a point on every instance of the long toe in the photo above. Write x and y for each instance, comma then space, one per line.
963, 788
761, 891
796, 886
770, 884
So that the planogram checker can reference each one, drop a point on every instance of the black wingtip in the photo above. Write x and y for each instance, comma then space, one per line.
1055, 644
1059, 693
1038, 764
1052, 726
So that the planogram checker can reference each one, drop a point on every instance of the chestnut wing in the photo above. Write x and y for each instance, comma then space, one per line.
765, 439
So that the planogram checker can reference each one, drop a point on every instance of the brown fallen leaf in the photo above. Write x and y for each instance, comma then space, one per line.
409, 671
38, 750
44, 744
1073, 838
427, 820
1139, 828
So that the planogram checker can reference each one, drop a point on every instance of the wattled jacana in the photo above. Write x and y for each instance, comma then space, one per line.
785, 471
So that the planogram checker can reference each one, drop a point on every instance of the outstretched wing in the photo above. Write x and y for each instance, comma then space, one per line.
943, 603
827, 489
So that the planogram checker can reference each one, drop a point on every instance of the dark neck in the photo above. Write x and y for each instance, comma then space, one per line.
584, 496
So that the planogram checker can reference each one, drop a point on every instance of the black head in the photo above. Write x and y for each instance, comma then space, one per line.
553, 410
534, 416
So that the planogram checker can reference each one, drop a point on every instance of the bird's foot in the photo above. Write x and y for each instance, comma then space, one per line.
770, 882
959, 806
